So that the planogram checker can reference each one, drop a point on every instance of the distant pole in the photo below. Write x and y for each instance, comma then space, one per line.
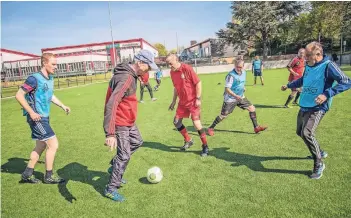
340, 48
177, 42
113, 44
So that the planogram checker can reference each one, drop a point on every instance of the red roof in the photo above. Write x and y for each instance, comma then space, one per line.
18, 53
96, 44
198, 43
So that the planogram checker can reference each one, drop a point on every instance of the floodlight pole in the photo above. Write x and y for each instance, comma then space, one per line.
113, 44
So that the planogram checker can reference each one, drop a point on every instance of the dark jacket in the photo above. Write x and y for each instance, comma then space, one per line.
121, 103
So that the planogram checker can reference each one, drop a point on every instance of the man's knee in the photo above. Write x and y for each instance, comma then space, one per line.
177, 122
251, 108
306, 133
224, 115
197, 125
52, 144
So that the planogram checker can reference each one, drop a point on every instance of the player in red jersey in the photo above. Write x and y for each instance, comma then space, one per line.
296, 68
187, 86
144, 82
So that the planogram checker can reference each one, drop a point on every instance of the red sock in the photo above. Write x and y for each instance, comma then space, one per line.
203, 138
185, 134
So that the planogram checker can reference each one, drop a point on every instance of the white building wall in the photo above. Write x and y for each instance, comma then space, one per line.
127, 53
70, 59
98, 48
5, 56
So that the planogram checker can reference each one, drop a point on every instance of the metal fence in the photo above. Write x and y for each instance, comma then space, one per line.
9, 88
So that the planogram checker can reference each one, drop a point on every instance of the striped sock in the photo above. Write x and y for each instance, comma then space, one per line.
184, 133
202, 135
215, 122
253, 118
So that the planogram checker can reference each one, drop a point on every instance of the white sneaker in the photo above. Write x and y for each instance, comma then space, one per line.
153, 99
141, 101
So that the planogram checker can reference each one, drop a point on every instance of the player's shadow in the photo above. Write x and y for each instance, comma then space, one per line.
193, 131
17, 165
80, 173
73, 171
268, 106
253, 162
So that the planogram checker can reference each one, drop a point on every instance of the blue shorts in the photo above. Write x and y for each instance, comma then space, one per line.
257, 73
41, 130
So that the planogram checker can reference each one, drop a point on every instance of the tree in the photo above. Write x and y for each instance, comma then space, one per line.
258, 22
173, 50
161, 49
346, 20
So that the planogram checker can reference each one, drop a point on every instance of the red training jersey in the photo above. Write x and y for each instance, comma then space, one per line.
298, 66
145, 77
184, 81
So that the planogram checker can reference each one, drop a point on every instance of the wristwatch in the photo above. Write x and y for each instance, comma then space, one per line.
198, 98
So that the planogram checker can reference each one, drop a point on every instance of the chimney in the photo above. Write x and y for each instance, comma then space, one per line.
193, 42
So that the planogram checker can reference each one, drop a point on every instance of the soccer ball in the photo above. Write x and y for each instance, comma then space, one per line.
154, 175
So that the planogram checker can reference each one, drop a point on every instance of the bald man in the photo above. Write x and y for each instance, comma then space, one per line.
296, 67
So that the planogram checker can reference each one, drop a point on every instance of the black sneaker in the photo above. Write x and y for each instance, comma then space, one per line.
317, 171
204, 152
30, 179
187, 145
53, 180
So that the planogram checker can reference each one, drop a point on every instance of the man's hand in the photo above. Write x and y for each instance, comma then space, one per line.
111, 141
284, 87
141, 83
66, 109
171, 107
197, 103
34, 116
320, 99
237, 97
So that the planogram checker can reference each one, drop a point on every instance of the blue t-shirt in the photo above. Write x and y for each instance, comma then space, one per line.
158, 74
256, 64
40, 90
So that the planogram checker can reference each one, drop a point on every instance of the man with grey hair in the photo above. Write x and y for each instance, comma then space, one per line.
234, 96
322, 80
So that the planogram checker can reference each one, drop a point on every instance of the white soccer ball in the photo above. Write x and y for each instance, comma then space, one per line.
154, 175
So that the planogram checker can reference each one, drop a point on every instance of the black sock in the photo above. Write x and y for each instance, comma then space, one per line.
48, 173
289, 100
297, 97
253, 118
28, 172
215, 122
181, 128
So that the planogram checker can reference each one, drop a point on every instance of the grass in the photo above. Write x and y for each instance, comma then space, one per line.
247, 175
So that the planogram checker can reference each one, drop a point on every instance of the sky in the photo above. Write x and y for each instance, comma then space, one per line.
31, 26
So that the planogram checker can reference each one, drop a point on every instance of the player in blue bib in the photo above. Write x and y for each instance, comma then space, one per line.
322, 80
158, 76
234, 96
257, 69
35, 97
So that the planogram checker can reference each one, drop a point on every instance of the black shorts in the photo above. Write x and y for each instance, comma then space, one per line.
228, 107
257, 73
